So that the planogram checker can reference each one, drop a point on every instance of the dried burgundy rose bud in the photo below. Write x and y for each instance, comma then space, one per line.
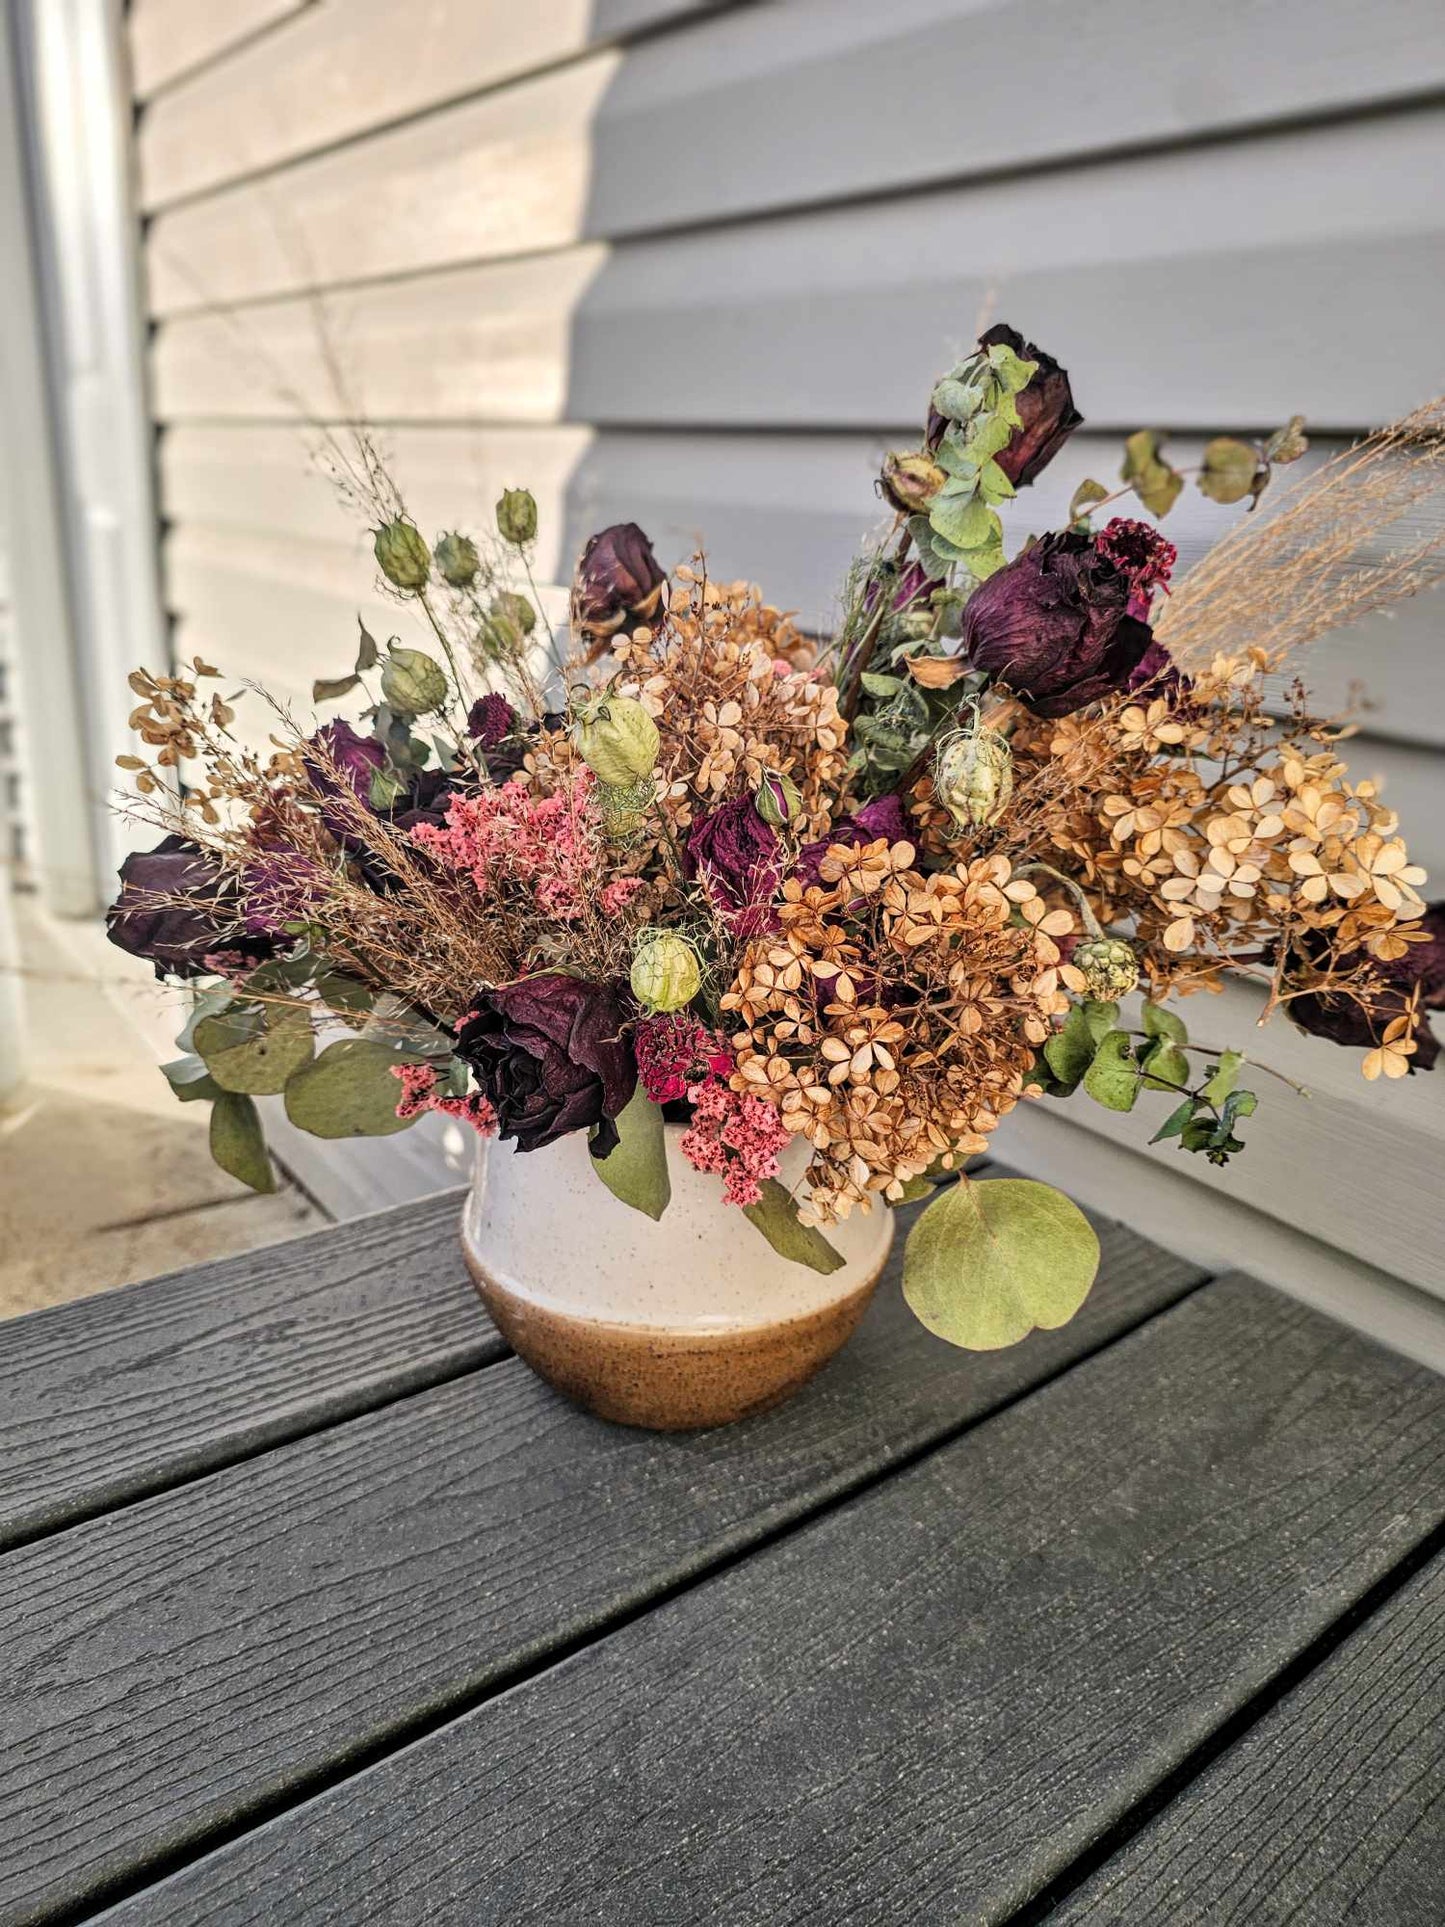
739, 858
551, 1057
176, 908
1047, 415
619, 583
1361, 1026
1053, 625
884, 816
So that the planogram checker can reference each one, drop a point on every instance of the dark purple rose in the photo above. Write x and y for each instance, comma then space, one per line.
1344, 1020
550, 1055
1054, 626
619, 583
489, 719
885, 816
740, 860
176, 908
1047, 415
426, 799
337, 756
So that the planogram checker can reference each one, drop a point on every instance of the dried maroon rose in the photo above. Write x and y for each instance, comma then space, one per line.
619, 583
1053, 626
1047, 415
176, 908
884, 816
1361, 1026
739, 858
551, 1056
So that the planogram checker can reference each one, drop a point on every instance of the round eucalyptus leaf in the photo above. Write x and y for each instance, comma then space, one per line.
988, 1262
348, 1091
238, 1143
254, 1055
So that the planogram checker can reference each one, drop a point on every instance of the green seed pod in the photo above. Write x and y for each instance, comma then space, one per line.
402, 555
973, 775
617, 740
457, 560
499, 639
518, 611
625, 808
910, 482
411, 683
777, 799
517, 517
665, 972
1110, 967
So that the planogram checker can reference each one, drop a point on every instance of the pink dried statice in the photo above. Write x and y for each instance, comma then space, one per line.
738, 1138
675, 1053
550, 845
420, 1092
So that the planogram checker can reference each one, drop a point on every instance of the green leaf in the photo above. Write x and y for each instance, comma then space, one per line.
1100, 1017
1228, 471
348, 1091
1226, 1074
208, 1004
1113, 1078
329, 689
238, 1143
385, 787
1084, 497
1156, 484
367, 654
1287, 444
254, 1051
190, 1080
1166, 1067
635, 1169
957, 401
776, 1216
1070, 1051
987, 1262
1160, 1021
1174, 1124
1013, 372
964, 520
881, 686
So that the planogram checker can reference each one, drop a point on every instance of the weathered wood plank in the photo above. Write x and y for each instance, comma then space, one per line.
170, 1667
114, 1396
169, 37
839, 97
356, 67
927, 1703
1328, 1811
842, 317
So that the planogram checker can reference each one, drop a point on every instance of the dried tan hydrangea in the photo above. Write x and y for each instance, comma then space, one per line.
894, 1016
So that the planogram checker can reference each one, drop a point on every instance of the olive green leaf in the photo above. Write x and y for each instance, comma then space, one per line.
330, 689
254, 1048
1152, 479
1226, 1076
988, 1262
1160, 1021
635, 1169
348, 1091
1166, 1067
238, 1143
1229, 470
207, 1004
1113, 1078
1287, 444
1085, 496
367, 653
964, 520
190, 1080
776, 1216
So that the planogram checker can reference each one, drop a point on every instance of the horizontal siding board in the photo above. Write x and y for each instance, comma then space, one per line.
838, 97
1261, 267
169, 38
344, 69
784, 511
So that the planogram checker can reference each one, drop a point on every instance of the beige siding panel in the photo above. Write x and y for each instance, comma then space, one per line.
784, 104
349, 66
170, 37
1260, 269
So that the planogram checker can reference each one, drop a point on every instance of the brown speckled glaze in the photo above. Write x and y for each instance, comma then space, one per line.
689, 1322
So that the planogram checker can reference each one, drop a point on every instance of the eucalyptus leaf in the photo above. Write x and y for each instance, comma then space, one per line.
1113, 1078
1166, 1067
1160, 1021
776, 1216
1100, 1016
190, 1080
1228, 471
255, 1057
635, 1169
965, 521
367, 653
1152, 479
1287, 444
1226, 1075
1173, 1125
349, 1091
238, 1144
988, 1262
330, 689
1085, 496
208, 1004
1070, 1051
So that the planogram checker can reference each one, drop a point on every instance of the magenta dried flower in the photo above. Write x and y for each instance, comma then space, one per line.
1054, 626
739, 858
551, 1056
490, 720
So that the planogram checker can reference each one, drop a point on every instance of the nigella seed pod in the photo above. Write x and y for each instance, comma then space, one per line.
624, 808
617, 740
777, 799
517, 517
666, 974
457, 560
411, 683
402, 555
973, 775
911, 481
1109, 966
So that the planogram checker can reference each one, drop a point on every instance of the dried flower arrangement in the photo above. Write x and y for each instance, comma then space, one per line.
871, 894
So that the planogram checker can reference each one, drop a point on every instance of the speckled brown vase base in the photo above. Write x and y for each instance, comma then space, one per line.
667, 1381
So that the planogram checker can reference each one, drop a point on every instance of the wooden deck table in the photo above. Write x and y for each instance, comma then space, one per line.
315, 1606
